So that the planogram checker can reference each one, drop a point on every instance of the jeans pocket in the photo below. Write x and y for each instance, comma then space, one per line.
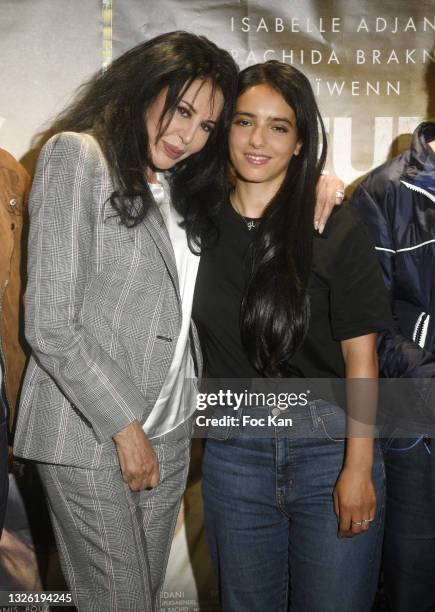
334, 427
398, 443
226, 430
216, 432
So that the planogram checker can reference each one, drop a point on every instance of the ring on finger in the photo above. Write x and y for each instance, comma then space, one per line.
339, 193
362, 522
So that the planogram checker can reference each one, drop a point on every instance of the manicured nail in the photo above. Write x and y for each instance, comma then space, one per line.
321, 228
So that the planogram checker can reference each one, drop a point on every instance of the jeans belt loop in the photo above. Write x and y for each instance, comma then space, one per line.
314, 416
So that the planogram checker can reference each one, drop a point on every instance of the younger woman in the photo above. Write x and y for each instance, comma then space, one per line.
274, 300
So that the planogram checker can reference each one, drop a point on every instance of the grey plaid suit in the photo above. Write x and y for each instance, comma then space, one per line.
101, 303
103, 315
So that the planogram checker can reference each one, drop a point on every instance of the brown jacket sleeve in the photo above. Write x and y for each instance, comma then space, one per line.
14, 189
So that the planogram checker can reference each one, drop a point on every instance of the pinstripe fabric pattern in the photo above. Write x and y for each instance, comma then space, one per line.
115, 543
100, 301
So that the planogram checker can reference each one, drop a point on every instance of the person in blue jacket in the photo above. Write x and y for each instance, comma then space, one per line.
397, 201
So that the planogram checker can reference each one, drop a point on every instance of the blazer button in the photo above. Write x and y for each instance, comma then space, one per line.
165, 338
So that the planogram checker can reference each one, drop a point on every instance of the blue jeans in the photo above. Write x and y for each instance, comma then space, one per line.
271, 525
409, 546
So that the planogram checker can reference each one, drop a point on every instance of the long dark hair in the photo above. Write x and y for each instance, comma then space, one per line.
275, 309
113, 104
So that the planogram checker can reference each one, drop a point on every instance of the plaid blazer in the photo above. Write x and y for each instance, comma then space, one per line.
103, 311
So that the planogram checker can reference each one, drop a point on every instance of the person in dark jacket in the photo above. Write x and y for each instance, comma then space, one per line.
397, 201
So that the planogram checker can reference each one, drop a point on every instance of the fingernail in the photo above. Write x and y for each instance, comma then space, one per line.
316, 224
321, 228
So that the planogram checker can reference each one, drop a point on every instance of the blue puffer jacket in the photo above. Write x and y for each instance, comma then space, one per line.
397, 201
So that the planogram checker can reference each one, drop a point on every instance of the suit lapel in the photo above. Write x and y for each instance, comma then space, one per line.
155, 227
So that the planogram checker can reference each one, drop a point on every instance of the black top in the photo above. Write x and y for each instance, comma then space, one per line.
347, 297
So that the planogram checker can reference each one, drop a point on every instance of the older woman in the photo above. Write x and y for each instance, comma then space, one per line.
109, 295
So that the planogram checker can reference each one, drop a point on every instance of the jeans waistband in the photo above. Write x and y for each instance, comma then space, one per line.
293, 420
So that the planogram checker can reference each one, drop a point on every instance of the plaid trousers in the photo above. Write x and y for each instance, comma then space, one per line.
114, 543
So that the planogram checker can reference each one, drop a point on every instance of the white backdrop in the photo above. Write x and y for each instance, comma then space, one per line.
369, 62
47, 48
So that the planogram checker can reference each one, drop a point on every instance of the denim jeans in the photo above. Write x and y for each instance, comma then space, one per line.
4, 482
271, 524
409, 546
